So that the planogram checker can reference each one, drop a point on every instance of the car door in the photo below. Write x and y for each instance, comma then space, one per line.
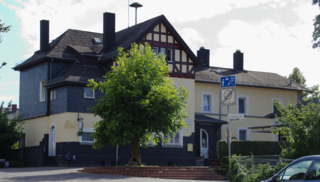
313, 174
297, 171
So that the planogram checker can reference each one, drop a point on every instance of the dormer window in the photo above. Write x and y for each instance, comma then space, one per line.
97, 40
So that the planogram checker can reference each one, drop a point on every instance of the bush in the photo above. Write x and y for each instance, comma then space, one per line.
247, 148
247, 171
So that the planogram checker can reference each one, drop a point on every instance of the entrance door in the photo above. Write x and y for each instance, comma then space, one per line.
204, 143
52, 141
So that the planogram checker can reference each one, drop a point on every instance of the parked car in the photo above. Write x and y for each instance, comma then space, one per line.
303, 169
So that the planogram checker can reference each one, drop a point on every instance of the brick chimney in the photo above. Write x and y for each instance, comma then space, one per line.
109, 31
44, 35
14, 107
204, 56
238, 61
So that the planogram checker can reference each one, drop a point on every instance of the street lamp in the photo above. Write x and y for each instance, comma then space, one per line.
3, 64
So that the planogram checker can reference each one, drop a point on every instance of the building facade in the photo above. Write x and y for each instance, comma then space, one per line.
54, 96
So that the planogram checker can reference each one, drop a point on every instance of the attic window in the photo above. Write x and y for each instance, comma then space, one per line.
97, 40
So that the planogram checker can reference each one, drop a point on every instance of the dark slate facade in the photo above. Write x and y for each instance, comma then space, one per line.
30, 78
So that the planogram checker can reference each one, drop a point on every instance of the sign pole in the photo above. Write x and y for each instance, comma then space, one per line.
229, 139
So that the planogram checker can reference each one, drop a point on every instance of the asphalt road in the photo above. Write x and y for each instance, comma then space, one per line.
70, 174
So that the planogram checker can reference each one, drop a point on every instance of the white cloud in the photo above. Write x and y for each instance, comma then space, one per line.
4, 86
8, 98
192, 38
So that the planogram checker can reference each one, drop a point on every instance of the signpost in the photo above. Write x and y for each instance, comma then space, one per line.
228, 97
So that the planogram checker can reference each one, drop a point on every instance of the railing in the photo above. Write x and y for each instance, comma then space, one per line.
52, 54
74, 78
217, 80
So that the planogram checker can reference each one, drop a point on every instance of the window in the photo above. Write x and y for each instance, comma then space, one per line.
53, 94
175, 141
155, 50
296, 171
88, 92
243, 133
314, 171
243, 104
207, 102
86, 138
42, 91
163, 51
169, 55
151, 143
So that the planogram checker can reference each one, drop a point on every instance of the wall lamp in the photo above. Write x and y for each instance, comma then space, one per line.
80, 125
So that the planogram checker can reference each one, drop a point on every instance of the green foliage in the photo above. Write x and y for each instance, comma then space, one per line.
297, 76
301, 128
247, 148
3, 29
139, 99
10, 131
316, 23
245, 170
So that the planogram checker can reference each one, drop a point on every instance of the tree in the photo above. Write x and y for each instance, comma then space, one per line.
3, 29
301, 126
10, 131
140, 99
297, 76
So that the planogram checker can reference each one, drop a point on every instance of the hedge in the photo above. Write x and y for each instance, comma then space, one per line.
247, 148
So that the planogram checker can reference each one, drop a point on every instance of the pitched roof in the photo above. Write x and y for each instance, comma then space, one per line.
246, 78
82, 42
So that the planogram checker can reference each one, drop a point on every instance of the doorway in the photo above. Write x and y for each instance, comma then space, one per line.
204, 143
52, 141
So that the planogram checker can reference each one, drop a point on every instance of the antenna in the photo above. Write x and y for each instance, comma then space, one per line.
136, 5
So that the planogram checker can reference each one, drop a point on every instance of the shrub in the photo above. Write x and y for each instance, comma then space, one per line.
247, 171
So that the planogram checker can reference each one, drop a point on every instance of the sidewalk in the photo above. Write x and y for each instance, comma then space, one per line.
70, 174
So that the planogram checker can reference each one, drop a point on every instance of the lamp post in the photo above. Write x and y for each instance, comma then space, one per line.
3, 64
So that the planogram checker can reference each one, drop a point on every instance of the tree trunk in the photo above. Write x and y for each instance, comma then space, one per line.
135, 153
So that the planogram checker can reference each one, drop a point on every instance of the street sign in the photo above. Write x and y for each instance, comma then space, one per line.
228, 81
235, 116
233, 119
228, 96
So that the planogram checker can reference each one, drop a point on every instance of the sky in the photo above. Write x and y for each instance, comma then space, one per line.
274, 35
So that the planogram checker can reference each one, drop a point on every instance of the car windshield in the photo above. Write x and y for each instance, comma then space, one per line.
296, 171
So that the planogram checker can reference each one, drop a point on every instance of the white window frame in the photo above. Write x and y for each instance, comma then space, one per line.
274, 99
84, 93
211, 102
175, 145
243, 129
164, 51
53, 94
87, 130
155, 48
151, 143
246, 104
170, 55
42, 91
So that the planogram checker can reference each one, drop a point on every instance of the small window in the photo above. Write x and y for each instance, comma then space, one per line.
88, 92
242, 108
173, 139
243, 135
42, 91
155, 51
86, 138
163, 51
53, 95
169, 55
206, 103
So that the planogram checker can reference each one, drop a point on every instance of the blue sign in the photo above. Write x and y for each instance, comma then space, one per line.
228, 81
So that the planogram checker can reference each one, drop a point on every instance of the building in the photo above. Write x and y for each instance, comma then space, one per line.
54, 96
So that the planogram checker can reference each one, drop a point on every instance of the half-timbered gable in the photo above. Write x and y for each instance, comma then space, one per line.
162, 41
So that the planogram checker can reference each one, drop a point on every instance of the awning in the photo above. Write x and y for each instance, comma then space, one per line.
264, 129
206, 119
